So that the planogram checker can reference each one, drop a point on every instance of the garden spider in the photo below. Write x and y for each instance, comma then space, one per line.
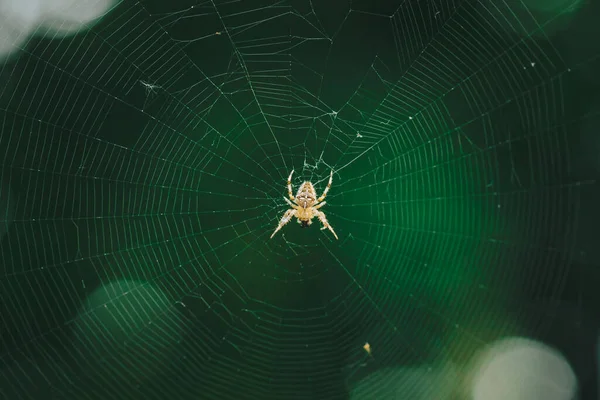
307, 205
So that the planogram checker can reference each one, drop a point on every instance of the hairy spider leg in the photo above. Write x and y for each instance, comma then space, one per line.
323, 220
320, 199
290, 203
289, 214
319, 205
289, 185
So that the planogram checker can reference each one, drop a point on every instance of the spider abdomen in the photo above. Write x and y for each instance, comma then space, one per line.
306, 196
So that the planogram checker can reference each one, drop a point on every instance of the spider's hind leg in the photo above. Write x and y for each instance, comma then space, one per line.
289, 186
320, 199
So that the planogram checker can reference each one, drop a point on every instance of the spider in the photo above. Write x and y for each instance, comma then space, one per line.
307, 205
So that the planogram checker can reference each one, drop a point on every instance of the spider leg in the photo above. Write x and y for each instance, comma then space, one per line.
290, 203
289, 186
289, 214
321, 216
320, 199
319, 205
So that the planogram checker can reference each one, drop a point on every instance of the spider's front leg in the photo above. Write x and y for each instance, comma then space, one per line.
323, 219
289, 214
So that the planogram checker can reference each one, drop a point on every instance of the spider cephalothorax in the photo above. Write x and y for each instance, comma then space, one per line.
306, 205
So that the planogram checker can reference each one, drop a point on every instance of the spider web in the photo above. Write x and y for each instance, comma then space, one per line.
145, 161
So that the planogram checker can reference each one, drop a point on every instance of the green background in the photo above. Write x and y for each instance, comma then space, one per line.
144, 163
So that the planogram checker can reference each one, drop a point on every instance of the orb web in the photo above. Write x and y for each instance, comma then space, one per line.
149, 155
